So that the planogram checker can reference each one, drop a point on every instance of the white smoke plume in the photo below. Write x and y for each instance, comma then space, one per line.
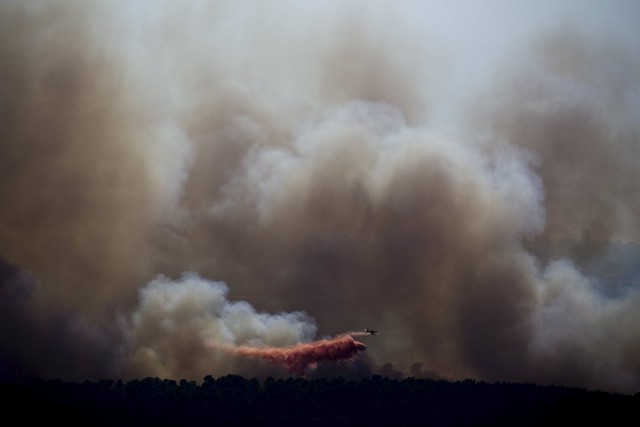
175, 322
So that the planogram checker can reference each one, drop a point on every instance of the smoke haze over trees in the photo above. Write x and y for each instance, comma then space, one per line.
268, 175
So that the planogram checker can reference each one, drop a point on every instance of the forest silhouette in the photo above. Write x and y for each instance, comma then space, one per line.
375, 401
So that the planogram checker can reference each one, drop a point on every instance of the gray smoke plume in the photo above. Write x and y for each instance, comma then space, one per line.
408, 167
575, 104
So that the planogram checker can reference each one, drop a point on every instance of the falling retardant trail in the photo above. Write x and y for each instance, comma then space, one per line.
299, 357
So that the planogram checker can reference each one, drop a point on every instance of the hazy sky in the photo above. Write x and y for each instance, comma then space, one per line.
181, 177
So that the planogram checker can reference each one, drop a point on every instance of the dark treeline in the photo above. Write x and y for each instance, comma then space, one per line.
234, 400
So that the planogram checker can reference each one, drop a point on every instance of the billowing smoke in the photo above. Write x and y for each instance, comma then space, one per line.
189, 327
470, 187
575, 104
185, 328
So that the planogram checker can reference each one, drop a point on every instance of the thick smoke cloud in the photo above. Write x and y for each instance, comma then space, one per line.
80, 164
370, 166
582, 338
175, 323
575, 104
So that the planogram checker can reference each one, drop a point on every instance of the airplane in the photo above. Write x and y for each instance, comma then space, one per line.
371, 331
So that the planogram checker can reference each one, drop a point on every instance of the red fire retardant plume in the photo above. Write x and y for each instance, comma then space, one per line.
299, 357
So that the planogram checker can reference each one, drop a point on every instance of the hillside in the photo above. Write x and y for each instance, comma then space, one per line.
234, 400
